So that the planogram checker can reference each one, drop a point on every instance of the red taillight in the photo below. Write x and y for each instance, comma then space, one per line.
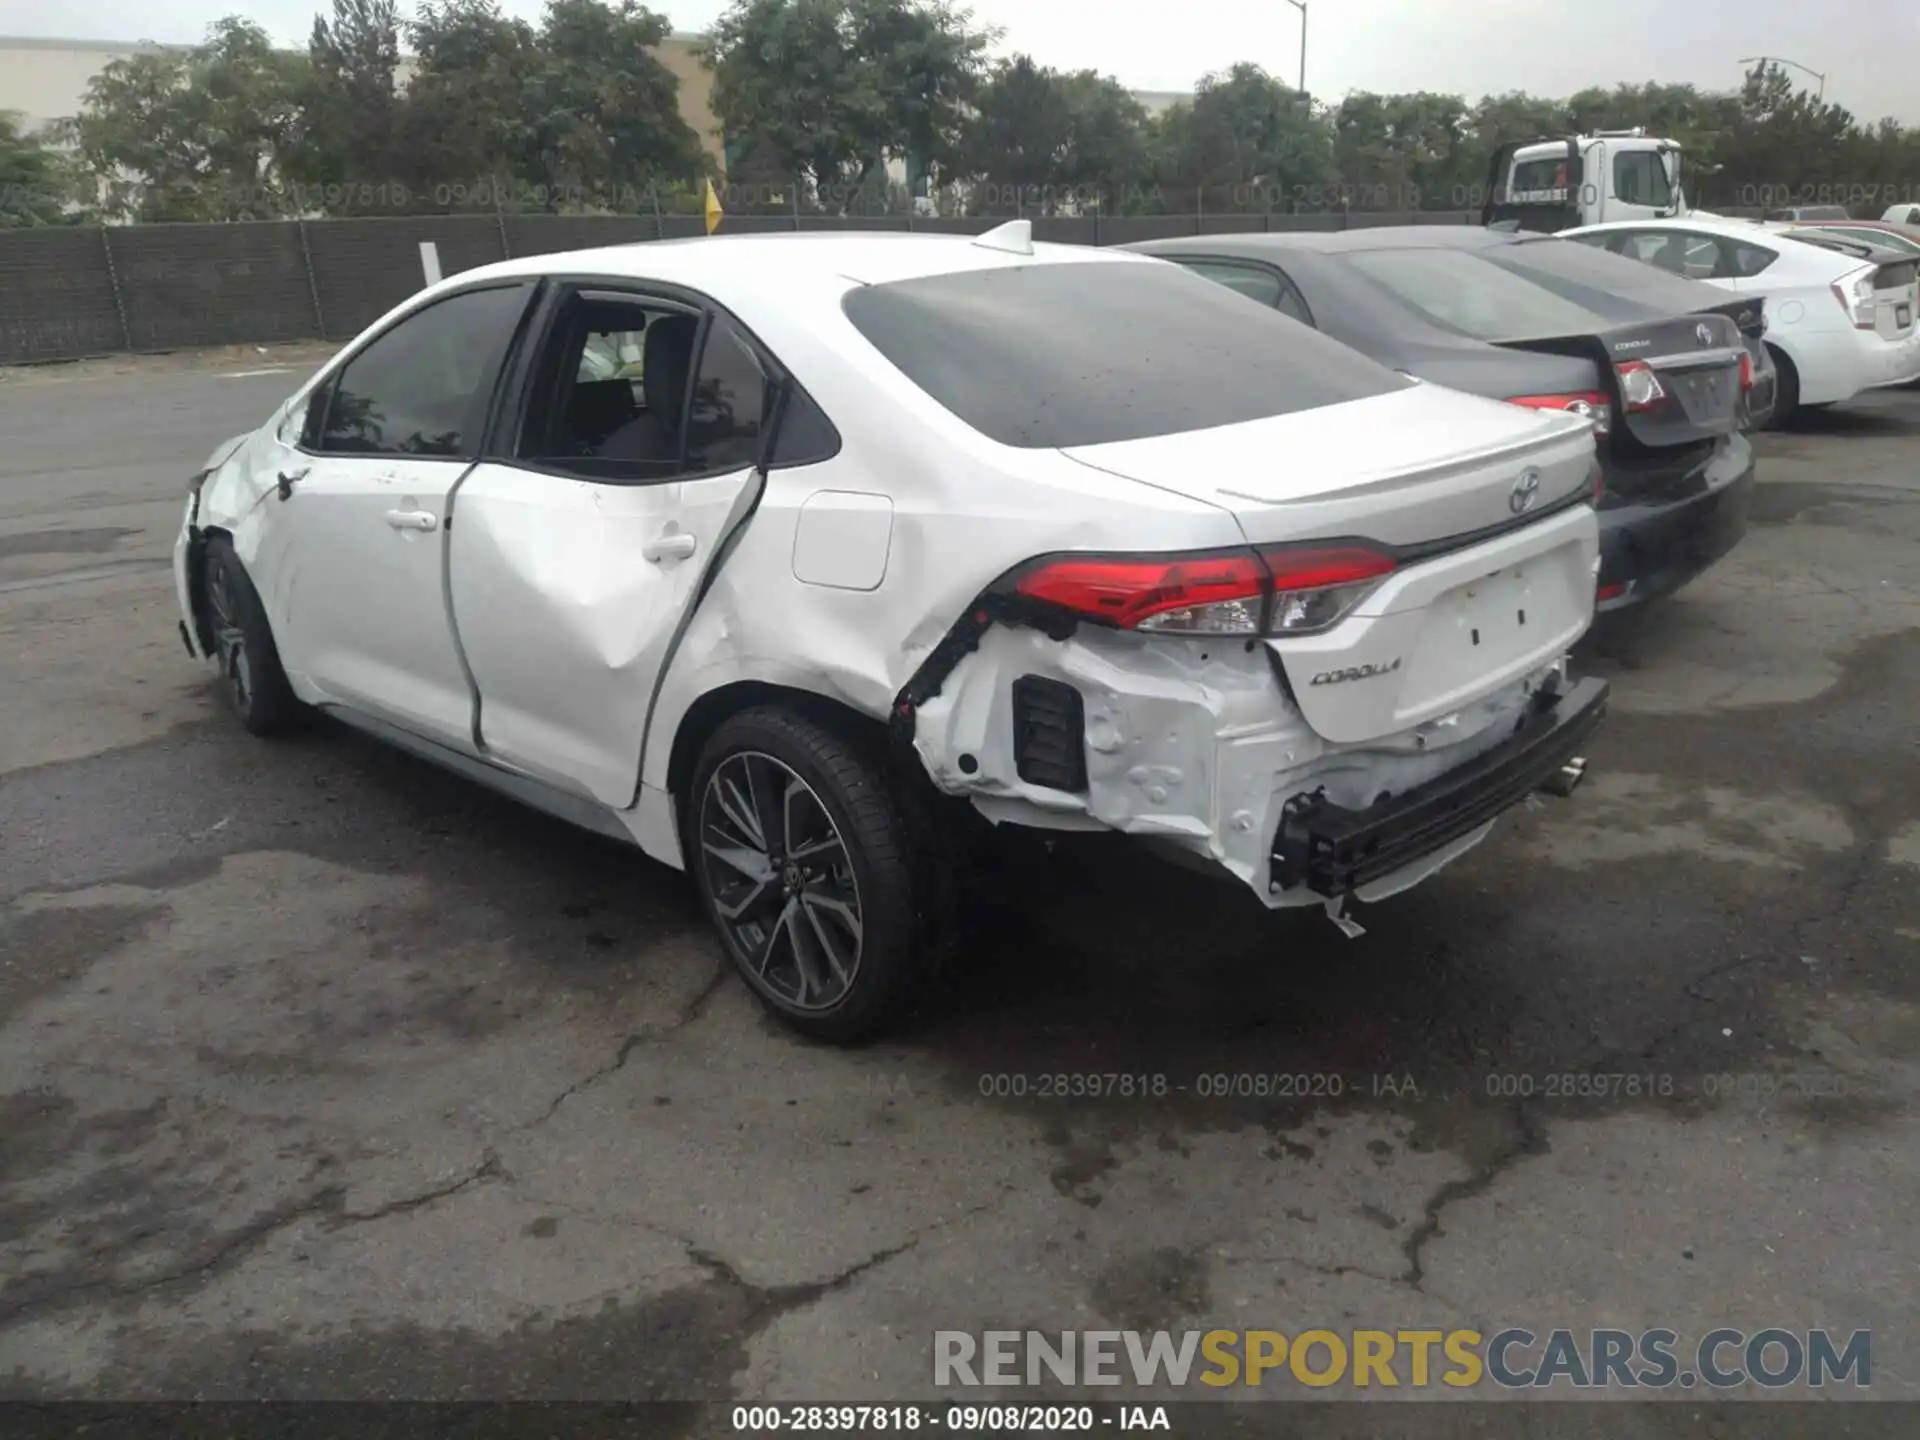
1640, 387
1311, 568
1287, 590
1590, 403
1314, 588
1611, 592
1125, 592
1746, 371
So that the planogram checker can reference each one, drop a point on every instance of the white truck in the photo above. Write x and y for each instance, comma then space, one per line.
1551, 185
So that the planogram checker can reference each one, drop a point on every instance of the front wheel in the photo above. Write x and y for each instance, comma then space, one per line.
251, 676
805, 863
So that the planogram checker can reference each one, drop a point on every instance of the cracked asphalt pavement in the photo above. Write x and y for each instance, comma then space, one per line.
326, 1075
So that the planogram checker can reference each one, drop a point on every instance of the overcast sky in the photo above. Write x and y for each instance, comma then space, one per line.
1869, 49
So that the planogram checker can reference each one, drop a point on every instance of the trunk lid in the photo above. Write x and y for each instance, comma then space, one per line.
1894, 299
1674, 381
1483, 592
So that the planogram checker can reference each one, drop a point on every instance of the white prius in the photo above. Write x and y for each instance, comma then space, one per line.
1841, 317
776, 555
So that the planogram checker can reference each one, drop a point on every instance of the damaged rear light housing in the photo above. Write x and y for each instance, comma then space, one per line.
1640, 387
1276, 590
1590, 404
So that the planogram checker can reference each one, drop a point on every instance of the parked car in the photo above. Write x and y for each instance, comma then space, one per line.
1840, 316
1659, 369
1902, 215
897, 522
1810, 213
1903, 238
1603, 281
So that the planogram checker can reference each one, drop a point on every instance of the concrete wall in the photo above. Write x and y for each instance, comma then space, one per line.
46, 80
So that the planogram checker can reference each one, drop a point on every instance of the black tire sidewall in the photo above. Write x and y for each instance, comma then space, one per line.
271, 706
1786, 393
894, 962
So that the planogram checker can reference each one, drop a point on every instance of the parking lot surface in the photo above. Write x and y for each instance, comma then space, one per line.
323, 1074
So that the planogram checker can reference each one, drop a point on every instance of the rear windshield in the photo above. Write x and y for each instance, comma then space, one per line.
1089, 353
1462, 291
1589, 276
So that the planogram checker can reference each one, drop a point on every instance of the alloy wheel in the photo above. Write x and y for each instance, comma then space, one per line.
781, 881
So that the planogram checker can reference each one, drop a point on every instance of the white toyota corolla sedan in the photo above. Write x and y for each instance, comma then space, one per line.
765, 553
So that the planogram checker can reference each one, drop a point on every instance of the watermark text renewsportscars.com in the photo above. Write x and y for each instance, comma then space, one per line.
1772, 1358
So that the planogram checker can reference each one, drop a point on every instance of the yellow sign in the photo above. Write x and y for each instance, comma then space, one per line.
714, 213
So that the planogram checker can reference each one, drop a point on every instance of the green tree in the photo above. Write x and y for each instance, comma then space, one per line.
1406, 152
826, 90
1246, 141
38, 185
195, 134
1078, 137
465, 124
345, 150
599, 114
1786, 146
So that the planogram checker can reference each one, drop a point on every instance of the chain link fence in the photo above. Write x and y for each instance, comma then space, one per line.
70, 293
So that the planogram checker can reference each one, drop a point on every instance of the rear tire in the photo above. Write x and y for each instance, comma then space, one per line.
251, 677
1786, 395
807, 863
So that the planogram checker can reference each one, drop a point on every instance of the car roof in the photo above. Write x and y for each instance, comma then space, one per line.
1337, 242
867, 257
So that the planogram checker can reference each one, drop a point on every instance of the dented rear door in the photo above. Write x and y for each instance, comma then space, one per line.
578, 552
567, 594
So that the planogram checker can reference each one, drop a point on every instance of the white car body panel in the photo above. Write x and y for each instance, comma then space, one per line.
562, 587
357, 593
840, 577
1834, 360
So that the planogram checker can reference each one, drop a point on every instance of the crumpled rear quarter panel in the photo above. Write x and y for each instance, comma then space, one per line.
1191, 741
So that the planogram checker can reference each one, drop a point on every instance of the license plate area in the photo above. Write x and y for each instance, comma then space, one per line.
1488, 618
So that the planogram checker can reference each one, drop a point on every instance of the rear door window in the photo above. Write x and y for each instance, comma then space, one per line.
1250, 280
596, 411
1088, 352
729, 398
1257, 282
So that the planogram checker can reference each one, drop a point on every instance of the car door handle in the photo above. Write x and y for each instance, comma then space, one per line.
669, 545
413, 520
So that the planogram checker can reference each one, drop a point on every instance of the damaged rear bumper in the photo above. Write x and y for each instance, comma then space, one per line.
1334, 850
1197, 748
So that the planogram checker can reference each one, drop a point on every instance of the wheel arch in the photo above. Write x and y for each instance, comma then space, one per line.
197, 578
715, 707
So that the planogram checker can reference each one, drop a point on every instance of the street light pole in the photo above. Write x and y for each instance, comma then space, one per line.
1777, 60
1301, 6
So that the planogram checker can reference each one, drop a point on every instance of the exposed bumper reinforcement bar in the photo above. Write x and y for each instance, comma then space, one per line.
1334, 850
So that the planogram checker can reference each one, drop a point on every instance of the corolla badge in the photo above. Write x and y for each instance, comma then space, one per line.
1354, 672
1525, 491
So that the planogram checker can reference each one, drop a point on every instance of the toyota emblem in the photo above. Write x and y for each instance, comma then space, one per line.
1525, 491
1703, 332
